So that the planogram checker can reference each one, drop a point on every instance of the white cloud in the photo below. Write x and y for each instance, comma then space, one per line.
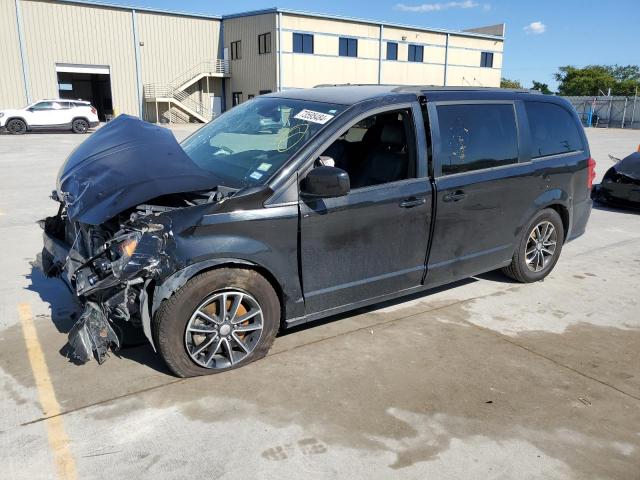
535, 28
437, 7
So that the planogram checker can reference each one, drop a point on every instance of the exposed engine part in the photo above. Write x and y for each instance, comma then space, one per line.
92, 335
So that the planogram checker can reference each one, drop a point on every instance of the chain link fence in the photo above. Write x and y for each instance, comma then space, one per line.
608, 112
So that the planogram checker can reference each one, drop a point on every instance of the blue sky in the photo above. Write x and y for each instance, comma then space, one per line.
541, 34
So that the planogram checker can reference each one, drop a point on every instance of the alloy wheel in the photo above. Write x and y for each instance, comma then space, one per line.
224, 329
541, 246
80, 126
16, 126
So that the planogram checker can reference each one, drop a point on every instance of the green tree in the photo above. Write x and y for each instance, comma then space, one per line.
598, 79
542, 87
506, 83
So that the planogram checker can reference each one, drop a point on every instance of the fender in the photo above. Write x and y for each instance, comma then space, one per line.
174, 282
17, 117
554, 196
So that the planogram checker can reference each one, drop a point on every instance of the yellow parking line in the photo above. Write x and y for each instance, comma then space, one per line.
58, 440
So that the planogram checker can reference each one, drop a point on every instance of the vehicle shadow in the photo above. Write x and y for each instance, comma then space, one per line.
615, 208
65, 311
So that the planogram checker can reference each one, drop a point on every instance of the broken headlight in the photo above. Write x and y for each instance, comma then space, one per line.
135, 251
122, 251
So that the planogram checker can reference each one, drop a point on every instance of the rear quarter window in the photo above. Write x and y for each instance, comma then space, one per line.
553, 130
476, 136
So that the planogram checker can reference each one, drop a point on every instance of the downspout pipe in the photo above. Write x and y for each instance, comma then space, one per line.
221, 55
279, 68
380, 54
23, 54
136, 45
446, 59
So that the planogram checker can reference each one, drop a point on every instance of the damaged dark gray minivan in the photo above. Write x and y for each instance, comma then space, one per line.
302, 204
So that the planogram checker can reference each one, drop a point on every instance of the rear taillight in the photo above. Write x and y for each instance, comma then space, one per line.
93, 110
591, 163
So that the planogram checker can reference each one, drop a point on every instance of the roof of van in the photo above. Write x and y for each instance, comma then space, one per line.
351, 94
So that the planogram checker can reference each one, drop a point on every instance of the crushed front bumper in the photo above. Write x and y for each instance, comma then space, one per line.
110, 295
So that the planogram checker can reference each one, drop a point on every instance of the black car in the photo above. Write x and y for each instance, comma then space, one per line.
620, 186
365, 193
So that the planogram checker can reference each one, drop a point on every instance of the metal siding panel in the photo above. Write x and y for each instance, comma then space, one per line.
173, 45
67, 33
12, 92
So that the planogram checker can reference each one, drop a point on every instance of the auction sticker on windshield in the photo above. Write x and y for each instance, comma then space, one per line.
313, 116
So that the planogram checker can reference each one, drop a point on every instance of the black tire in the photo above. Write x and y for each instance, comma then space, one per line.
80, 125
519, 269
16, 126
169, 324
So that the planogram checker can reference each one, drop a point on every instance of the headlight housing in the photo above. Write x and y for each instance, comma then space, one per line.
122, 252
1, 114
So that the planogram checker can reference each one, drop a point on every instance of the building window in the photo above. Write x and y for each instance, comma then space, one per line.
348, 47
416, 53
264, 43
236, 98
392, 51
264, 92
236, 50
302, 43
486, 59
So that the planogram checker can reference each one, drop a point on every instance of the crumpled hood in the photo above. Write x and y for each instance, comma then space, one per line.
123, 164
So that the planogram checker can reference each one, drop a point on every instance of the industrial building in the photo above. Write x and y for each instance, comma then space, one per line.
181, 67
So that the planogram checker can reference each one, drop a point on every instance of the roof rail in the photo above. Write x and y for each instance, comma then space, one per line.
421, 88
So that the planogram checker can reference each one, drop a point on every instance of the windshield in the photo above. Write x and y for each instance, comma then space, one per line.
250, 142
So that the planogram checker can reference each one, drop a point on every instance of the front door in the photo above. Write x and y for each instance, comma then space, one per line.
372, 241
483, 192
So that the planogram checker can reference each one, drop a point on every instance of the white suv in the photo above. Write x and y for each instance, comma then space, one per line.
59, 114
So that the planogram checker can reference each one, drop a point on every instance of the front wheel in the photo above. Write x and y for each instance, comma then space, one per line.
219, 320
15, 126
80, 126
538, 249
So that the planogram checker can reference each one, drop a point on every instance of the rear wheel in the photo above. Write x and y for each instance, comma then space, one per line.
219, 320
15, 126
538, 249
80, 125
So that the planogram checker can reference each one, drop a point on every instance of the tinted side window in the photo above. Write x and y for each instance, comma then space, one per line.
43, 106
553, 129
476, 136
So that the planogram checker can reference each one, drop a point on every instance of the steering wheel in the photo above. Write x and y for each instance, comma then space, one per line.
225, 150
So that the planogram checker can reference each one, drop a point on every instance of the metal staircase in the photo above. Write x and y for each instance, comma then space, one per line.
174, 93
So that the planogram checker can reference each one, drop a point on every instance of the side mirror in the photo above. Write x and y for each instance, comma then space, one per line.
326, 182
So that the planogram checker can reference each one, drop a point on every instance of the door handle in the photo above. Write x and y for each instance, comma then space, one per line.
412, 202
455, 196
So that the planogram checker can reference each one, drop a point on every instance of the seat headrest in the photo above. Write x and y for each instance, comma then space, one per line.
393, 134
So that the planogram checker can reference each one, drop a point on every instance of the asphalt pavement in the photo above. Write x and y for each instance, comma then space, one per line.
485, 378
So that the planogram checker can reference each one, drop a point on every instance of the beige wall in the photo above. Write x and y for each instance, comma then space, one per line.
173, 44
70, 33
12, 93
325, 66
253, 72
